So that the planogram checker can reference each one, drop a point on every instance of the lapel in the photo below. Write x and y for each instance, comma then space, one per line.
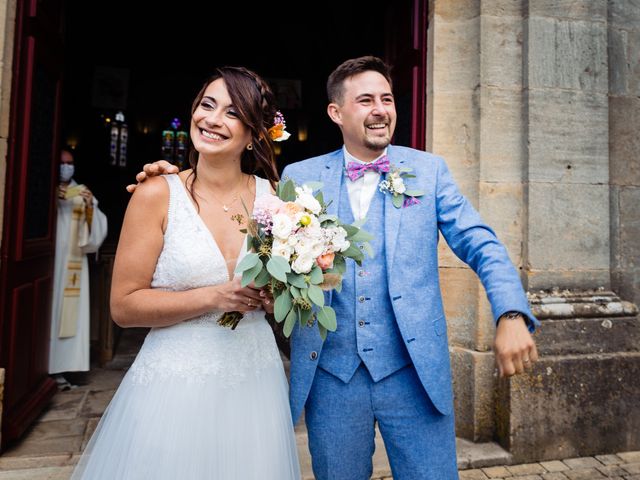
392, 215
332, 178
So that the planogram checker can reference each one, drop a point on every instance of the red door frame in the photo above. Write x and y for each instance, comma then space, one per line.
26, 270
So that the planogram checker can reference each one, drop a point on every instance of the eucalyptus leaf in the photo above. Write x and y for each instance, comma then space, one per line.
249, 275
278, 267
288, 191
327, 218
250, 260
413, 193
295, 293
350, 229
282, 306
314, 185
316, 295
316, 276
305, 316
262, 279
289, 322
327, 318
361, 236
398, 200
367, 249
323, 332
296, 280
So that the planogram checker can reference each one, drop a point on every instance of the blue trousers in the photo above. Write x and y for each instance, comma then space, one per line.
341, 418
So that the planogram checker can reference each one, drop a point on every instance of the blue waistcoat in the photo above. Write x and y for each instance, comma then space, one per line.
367, 329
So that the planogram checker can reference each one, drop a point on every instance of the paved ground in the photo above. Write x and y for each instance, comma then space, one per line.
53, 445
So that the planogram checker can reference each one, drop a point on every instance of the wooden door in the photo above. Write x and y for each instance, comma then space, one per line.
406, 51
28, 236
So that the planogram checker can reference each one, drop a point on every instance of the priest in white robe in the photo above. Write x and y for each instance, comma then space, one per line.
81, 229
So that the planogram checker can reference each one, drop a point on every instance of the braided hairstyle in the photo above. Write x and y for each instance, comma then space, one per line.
255, 105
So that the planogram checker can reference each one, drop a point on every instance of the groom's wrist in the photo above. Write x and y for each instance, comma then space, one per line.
514, 315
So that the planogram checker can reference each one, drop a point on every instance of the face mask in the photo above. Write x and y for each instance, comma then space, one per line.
66, 172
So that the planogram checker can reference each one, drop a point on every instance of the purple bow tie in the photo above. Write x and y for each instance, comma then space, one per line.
355, 169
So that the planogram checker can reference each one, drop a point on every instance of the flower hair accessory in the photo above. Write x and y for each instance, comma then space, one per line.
278, 132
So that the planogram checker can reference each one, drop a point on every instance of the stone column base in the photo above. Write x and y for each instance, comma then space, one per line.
582, 397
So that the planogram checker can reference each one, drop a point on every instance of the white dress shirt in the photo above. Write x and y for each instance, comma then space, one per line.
362, 190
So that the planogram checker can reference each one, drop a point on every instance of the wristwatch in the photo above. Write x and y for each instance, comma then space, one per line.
513, 315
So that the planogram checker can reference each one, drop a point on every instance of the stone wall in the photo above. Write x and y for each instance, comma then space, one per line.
535, 107
624, 146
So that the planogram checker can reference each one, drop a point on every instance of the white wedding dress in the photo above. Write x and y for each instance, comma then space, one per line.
200, 401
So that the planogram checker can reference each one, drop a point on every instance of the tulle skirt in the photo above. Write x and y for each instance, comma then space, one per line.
195, 426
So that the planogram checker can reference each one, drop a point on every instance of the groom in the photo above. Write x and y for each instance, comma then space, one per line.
388, 361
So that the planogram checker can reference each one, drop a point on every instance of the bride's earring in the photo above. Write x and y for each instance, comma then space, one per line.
250, 146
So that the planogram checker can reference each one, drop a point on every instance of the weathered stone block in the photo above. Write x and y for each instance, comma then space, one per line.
624, 14
587, 10
501, 207
617, 48
629, 227
568, 227
624, 147
456, 55
474, 393
579, 399
503, 8
566, 54
448, 11
456, 132
571, 406
7, 35
460, 288
502, 135
568, 137
501, 51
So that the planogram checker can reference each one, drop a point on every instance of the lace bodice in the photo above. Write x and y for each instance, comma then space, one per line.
199, 347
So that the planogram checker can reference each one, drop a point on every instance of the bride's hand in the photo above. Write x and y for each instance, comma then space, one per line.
232, 297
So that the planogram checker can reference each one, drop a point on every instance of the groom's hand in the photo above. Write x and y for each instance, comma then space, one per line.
160, 167
514, 347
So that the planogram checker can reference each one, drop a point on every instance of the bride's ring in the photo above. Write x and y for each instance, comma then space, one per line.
267, 302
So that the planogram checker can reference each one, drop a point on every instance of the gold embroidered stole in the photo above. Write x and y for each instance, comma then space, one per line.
78, 230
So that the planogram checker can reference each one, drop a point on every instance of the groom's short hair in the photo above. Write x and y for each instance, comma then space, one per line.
351, 67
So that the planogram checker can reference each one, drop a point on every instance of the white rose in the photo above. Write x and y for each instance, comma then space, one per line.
398, 184
303, 264
281, 226
306, 199
281, 249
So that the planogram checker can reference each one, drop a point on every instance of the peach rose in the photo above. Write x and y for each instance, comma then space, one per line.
325, 262
290, 209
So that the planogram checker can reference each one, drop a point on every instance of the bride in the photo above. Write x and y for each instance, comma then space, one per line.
200, 401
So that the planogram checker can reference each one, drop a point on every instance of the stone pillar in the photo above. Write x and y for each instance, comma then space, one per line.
624, 146
475, 121
518, 104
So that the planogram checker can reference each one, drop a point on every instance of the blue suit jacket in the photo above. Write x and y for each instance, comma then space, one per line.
411, 240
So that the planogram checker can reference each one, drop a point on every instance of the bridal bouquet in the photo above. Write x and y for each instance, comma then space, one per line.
296, 251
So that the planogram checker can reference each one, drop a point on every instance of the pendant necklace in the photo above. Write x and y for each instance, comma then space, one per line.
226, 206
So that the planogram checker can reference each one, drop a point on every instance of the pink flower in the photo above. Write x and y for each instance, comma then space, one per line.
325, 261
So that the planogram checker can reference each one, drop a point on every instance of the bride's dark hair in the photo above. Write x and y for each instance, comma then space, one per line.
255, 105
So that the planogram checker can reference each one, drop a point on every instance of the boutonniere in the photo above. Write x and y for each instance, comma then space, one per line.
394, 184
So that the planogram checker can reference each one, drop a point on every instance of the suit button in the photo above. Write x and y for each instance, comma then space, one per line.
361, 273
313, 355
361, 298
361, 323
361, 247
